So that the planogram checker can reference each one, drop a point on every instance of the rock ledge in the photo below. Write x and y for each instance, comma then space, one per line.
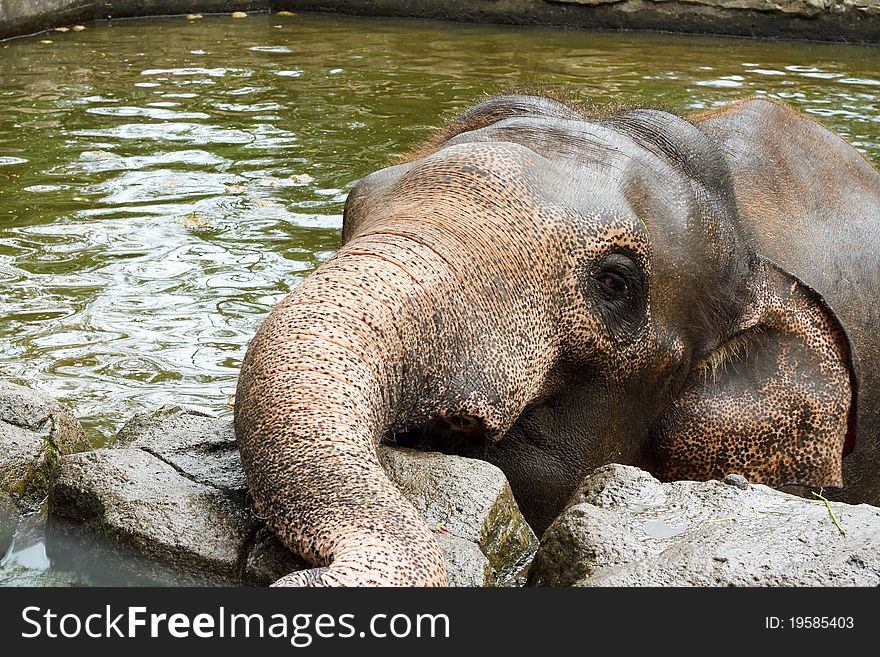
625, 528
168, 506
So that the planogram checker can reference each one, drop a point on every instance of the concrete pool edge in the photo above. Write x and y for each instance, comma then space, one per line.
24, 17
843, 21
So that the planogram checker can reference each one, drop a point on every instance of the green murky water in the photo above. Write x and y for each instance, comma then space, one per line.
164, 183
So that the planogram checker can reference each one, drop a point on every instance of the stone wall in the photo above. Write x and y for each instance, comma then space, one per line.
18, 17
28, 16
824, 20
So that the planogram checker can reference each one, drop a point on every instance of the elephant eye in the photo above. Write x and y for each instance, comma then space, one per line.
613, 284
619, 287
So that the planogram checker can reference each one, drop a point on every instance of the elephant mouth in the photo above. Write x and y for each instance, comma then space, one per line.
459, 435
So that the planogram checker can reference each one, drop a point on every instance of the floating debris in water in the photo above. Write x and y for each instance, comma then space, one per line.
239, 14
285, 13
271, 49
91, 156
46, 41
233, 189
193, 17
267, 204
62, 29
194, 220
301, 178
78, 28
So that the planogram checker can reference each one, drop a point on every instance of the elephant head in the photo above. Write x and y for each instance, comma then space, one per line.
549, 291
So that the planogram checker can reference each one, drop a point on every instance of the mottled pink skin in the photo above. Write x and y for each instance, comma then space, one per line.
550, 292
317, 377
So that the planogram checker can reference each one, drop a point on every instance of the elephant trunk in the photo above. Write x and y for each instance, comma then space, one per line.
321, 384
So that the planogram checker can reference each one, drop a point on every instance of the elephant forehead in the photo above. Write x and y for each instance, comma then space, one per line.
553, 137
495, 171
512, 185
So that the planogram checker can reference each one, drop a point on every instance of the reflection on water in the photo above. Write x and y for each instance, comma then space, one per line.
164, 183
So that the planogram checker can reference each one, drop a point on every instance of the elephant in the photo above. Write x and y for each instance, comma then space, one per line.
552, 288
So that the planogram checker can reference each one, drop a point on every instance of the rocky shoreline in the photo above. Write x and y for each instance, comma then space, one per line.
850, 21
168, 505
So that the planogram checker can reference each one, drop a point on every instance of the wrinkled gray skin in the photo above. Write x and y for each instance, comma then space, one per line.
552, 291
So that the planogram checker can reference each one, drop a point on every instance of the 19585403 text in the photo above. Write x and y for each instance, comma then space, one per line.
809, 623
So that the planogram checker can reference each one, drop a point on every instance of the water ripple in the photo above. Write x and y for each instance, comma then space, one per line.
195, 70
99, 161
148, 112
167, 131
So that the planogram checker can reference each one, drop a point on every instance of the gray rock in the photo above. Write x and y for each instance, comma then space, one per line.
624, 528
34, 431
200, 447
824, 20
28, 16
466, 565
169, 508
805, 8
8, 522
468, 499
126, 515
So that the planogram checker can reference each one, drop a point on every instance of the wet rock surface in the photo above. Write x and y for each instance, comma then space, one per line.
8, 522
467, 500
625, 528
200, 447
35, 430
142, 522
168, 506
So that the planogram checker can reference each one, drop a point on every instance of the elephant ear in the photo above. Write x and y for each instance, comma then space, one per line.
775, 403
